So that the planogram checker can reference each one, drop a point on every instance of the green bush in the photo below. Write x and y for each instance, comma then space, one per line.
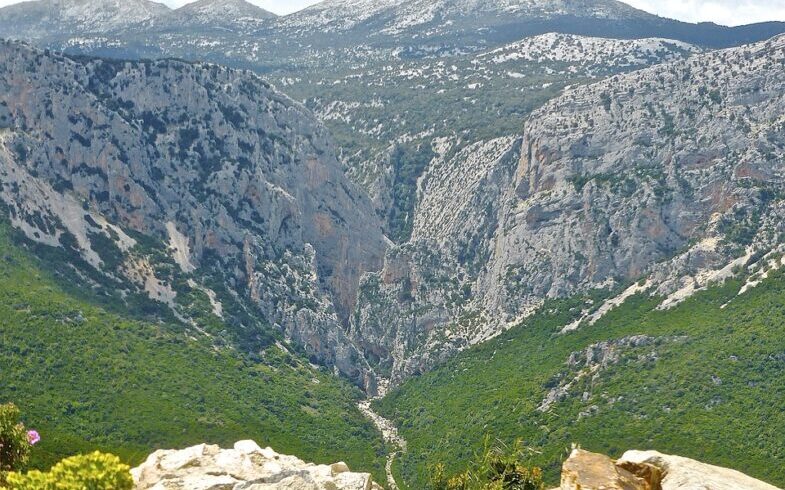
497, 468
96, 471
14, 445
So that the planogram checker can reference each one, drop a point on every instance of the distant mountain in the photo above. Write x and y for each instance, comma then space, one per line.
439, 17
237, 30
50, 19
217, 14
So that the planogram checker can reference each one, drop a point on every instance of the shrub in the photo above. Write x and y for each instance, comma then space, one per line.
96, 471
14, 444
497, 468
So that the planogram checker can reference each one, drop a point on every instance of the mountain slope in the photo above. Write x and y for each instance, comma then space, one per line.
89, 374
704, 379
469, 24
42, 19
621, 174
215, 14
233, 188
673, 171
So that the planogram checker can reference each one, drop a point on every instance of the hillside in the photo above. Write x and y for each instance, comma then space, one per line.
51, 19
703, 379
180, 181
660, 191
144, 305
87, 374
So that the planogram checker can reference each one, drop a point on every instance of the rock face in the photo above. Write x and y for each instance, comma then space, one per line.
621, 174
672, 173
650, 470
213, 172
247, 467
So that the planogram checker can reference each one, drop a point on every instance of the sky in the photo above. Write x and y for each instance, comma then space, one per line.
727, 12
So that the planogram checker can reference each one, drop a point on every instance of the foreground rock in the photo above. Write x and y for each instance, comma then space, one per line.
247, 467
687, 474
650, 470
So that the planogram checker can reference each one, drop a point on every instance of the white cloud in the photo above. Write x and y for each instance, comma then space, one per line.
727, 12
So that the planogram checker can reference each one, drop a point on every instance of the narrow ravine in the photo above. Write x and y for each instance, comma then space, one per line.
389, 434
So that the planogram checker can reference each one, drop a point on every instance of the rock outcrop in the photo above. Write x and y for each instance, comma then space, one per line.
591, 471
619, 175
650, 470
246, 466
678, 473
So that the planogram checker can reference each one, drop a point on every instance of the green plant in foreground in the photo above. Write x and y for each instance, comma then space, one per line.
497, 468
96, 471
15, 441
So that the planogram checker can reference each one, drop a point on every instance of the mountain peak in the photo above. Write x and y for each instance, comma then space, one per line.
225, 9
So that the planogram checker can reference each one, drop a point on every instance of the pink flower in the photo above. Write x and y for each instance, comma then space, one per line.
33, 437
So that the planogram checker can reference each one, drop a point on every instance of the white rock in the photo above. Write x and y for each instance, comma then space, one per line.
248, 447
245, 467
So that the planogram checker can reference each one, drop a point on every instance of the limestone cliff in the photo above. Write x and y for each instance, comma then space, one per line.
171, 177
672, 174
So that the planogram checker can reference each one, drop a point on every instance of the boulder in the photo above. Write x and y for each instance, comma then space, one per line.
246, 466
591, 471
680, 473
650, 470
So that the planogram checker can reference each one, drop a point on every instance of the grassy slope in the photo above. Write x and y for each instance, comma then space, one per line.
88, 378
671, 404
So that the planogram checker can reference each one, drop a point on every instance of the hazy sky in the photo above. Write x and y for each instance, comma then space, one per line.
728, 12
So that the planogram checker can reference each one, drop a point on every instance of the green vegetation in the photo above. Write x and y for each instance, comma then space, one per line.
497, 468
95, 471
14, 442
90, 377
408, 164
708, 382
